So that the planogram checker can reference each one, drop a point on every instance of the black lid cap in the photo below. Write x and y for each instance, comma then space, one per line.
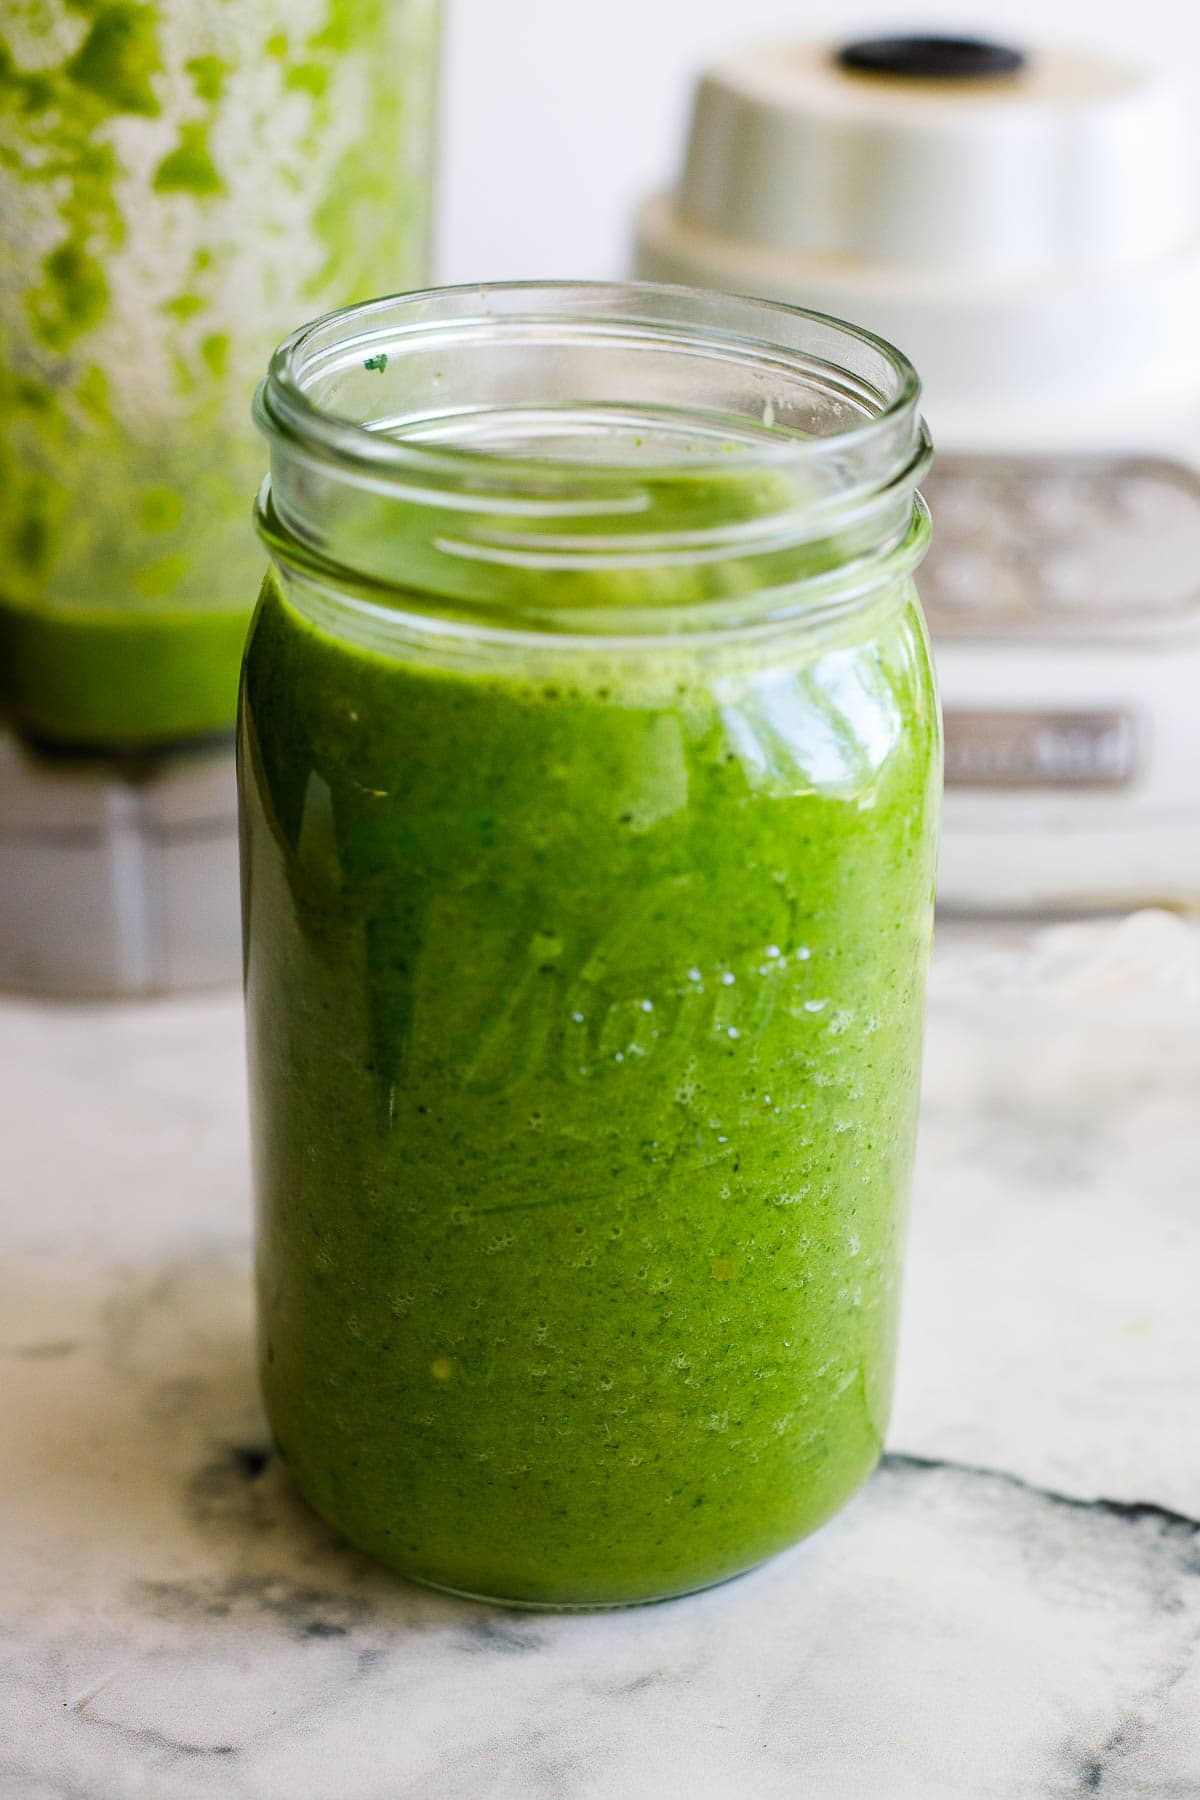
931, 58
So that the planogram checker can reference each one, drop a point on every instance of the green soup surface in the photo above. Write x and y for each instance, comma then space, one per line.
585, 1000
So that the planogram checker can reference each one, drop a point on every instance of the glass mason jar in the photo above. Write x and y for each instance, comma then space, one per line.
590, 764
179, 180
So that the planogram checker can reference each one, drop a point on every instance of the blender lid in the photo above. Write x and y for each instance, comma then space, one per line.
952, 193
951, 154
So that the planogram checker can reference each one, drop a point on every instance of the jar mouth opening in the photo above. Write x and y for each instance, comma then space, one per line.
360, 387
559, 449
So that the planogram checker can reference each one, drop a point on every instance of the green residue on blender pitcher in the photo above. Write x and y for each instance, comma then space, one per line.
127, 461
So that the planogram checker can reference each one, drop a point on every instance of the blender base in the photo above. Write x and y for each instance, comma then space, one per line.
118, 873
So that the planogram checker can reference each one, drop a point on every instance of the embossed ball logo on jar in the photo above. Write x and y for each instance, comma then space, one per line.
563, 1001
626, 1012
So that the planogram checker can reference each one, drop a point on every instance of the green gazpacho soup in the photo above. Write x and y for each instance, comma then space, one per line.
584, 984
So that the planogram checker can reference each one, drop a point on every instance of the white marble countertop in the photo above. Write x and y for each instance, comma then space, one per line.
1011, 1611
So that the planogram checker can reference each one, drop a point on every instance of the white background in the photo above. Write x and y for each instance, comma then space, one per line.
559, 114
